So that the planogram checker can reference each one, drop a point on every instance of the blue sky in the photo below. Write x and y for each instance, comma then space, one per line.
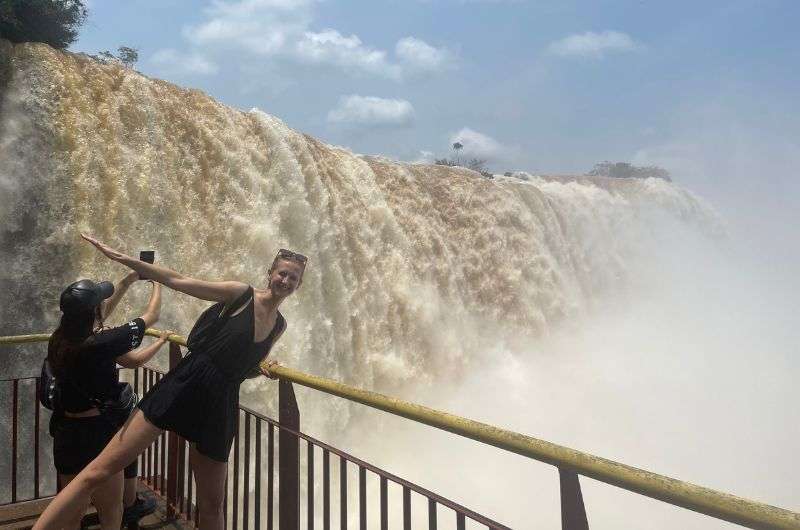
544, 86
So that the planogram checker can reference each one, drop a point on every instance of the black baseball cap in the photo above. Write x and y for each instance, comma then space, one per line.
84, 295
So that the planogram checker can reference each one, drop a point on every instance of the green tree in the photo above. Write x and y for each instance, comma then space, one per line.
125, 55
128, 56
457, 147
106, 56
627, 170
53, 22
477, 164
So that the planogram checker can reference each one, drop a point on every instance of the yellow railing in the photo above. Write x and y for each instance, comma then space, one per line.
697, 498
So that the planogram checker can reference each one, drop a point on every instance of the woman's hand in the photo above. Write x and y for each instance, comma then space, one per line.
270, 364
105, 249
165, 334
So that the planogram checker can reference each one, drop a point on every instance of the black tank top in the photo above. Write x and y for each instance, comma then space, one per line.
228, 340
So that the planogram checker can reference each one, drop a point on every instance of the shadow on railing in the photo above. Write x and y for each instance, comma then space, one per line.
164, 466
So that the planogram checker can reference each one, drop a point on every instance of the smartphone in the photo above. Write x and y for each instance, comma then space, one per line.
148, 256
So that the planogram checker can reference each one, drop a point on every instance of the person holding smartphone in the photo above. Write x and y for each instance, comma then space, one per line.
198, 398
93, 404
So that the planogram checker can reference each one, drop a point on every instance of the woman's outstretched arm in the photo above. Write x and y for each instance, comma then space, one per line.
139, 357
224, 291
153, 311
120, 288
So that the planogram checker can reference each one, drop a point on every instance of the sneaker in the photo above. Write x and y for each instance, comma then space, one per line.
141, 507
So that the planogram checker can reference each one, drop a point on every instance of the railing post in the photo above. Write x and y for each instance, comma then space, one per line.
173, 440
36, 440
14, 409
573, 513
289, 459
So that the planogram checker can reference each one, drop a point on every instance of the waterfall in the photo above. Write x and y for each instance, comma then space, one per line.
409, 264
418, 275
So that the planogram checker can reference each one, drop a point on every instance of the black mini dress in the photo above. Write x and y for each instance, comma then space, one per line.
199, 398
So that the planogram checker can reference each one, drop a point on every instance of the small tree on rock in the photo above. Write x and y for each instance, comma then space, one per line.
125, 55
477, 164
457, 147
106, 56
128, 56
626, 170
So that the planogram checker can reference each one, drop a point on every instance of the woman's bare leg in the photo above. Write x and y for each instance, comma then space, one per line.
210, 477
130, 440
75, 524
107, 498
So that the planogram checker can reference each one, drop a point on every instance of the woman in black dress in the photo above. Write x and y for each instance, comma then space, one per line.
83, 355
198, 399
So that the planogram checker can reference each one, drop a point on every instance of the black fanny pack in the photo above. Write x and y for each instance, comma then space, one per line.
119, 409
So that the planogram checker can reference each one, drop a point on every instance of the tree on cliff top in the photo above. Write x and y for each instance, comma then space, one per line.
626, 170
125, 55
54, 22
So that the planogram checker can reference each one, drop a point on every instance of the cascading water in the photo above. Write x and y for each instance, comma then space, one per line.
419, 275
408, 263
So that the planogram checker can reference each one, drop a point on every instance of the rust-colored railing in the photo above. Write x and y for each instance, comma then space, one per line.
249, 475
251, 499
167, 457
24, 390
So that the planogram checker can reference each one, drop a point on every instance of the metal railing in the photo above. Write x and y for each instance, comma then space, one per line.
164, 468
569, 462
244, 506
23, 390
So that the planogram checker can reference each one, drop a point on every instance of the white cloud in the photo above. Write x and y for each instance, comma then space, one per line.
478, 145
372, 111
246, 8
261, 27
331, 47
189, 63
591, 44
283, 28
418, 55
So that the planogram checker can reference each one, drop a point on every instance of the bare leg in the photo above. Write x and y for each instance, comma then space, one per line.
107, 498
132, 439
75, 524
210, 477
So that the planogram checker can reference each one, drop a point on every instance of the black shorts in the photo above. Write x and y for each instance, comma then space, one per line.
77, 441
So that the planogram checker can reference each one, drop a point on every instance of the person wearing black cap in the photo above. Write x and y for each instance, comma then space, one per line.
83, 354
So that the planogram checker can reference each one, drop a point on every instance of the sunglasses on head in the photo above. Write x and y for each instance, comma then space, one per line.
294, 256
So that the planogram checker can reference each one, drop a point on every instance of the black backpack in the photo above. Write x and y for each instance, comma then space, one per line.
115, 410
49, 388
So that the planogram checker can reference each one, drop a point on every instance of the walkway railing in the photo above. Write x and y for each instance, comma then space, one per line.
164, 467
570, 464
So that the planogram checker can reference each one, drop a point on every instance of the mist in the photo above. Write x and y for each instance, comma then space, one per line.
688, 371
615, 317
